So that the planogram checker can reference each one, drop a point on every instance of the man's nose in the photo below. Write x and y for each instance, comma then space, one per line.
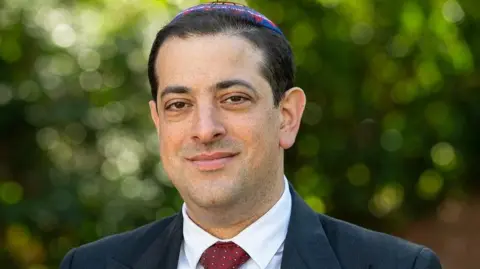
208, 124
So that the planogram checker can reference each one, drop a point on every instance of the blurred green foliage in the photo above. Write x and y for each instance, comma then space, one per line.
389, 131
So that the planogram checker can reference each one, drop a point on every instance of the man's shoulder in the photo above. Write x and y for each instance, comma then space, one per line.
97, 251
123, 239
339, 231
344, 237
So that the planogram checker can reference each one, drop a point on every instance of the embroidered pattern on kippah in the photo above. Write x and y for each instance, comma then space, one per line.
236, 9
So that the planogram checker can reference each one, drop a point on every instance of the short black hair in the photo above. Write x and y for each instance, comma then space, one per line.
278, 67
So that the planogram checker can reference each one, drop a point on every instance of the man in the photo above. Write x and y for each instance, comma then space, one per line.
225, 109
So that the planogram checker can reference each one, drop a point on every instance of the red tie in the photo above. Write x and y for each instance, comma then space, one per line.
224, 255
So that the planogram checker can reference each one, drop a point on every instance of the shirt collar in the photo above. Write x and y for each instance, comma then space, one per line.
271, 227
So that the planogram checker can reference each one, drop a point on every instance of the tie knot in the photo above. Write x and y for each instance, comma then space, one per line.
224, 255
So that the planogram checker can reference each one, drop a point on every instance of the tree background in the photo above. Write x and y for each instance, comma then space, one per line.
389, 132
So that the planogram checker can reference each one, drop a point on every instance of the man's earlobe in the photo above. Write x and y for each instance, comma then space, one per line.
291, 109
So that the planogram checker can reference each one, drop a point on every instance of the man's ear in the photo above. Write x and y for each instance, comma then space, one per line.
291, 111
154, 113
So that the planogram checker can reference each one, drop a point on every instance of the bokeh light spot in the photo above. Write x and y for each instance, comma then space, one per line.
5, 94
29, 91
76, 133
89, 60
136, 61
394, 120
11, 193
412, 18
428, 74
443, 154
91, 81
429, 184
61, 65
404, 92
17, 236
131, 187
92, 21
452, 11
391, 140
399, 46
110, 171
114, 112
358, 174
47, 138
316, 204
361, 33
61, 155
302, 35
128, 162
55, 17
386, 199
113, 80
64, 36
150, 190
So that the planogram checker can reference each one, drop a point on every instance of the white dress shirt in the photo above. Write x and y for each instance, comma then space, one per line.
263, 240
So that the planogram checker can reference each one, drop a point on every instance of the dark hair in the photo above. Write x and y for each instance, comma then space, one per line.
278, 67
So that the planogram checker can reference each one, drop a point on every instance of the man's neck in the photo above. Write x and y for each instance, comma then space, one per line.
227, 223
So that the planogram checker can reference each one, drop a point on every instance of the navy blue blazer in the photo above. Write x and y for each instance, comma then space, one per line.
314, 241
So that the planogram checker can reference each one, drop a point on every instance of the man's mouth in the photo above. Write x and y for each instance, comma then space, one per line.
212, 161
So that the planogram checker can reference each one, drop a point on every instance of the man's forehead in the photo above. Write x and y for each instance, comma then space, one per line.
206, 54
227, 45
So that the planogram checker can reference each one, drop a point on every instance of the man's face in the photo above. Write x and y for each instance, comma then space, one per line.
219, 131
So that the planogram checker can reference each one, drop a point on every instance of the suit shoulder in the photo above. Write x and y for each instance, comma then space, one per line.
95, 252
342, 230
114, 240
371, 245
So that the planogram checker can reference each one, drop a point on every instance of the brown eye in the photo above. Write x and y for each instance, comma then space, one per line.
236, 99
176, 106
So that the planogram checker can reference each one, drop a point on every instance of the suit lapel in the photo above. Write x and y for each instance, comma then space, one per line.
160, 253
307, 245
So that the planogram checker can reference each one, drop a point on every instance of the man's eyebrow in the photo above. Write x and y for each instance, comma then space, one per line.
174, 89
222, 85
225, 84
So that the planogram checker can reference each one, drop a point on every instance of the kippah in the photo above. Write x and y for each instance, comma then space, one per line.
234, 9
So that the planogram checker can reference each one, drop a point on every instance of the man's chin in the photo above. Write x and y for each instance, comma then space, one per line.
214, 198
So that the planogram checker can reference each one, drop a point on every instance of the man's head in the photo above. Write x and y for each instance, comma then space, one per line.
277, 65
224, 107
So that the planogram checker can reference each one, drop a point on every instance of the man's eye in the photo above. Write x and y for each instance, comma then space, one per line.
235, 99
176, 106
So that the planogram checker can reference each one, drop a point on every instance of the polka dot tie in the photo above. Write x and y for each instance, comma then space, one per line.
224, 255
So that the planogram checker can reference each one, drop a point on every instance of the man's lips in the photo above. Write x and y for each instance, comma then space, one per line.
212, 161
